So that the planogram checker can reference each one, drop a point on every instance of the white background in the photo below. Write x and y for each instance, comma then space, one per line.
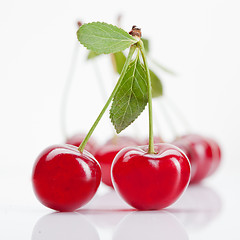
199, 40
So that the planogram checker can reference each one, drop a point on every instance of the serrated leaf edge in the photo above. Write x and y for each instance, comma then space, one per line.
111, 114
87, 47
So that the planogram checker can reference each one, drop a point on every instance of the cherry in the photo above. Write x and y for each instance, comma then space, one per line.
150, 181
186, 148
65, 179
77, 139
216, 155
204, 155
106, 153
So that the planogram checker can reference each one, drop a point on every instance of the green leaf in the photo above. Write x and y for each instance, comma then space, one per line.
104, 38
92, 55
157, 88
145, 44
119, 60
131, 97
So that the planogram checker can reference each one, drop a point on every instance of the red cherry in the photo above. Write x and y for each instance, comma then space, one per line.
106, 153
204, 155
77, 139
216, 156
185, 147
65, 179
150, 181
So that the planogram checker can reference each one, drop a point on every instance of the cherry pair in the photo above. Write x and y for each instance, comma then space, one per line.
65, 179
148, 177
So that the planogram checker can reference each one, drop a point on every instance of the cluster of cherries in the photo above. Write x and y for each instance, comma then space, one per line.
65, 179
147, 176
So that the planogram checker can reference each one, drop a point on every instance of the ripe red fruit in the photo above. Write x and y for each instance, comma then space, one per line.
204, 155
65, 179
150, 181
216, 151
106, 153
186, 148
77, 139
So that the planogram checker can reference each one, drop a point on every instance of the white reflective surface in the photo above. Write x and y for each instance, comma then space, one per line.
206, 211
60, 226
150, 225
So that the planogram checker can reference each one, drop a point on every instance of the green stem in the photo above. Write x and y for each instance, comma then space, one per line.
168, 119
99, 80
150, 115
167, 70
179, 114
100, 83
65, 94
84, 142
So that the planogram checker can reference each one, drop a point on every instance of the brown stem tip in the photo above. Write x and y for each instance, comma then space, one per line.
79, 23
119, 19
136, 31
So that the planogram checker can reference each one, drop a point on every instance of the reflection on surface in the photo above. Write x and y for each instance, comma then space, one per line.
109, 201
106, 211
150, 225
198, 206
115, 220
59, 226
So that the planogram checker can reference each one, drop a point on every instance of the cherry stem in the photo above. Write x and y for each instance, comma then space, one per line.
158, 126
168, 119
150, 115
162, 67
179, 114
130, 54
65, 94
100, 80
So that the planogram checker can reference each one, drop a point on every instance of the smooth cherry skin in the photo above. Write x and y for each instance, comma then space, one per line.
205, 155
65, 179
186, 148
106, 153
216, 156
77, 139
150, 181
